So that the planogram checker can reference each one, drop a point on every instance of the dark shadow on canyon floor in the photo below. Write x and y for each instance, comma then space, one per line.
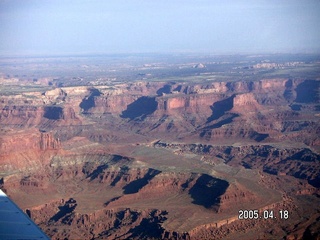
136, 185
88, 102
308, 92
165, 89
53, 112
140, 108
64, 210
220, 108
207, 191
150, 228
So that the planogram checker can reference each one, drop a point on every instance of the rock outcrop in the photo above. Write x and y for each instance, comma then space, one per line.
87, 162
29, 149
298, 162
210, 112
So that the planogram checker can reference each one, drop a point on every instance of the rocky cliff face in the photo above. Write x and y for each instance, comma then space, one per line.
259, 110
90, 156
26, 150
49, 142
38, 109
276, 110
229, 110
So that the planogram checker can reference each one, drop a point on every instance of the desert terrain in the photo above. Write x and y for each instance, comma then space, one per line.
163, 147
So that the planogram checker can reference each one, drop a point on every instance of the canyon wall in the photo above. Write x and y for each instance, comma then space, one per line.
28, 150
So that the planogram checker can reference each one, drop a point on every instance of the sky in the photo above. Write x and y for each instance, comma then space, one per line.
56, 27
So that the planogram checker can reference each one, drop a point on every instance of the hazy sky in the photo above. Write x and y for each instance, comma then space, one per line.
120, 26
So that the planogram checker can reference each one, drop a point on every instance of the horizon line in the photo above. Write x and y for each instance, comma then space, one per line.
164, 53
